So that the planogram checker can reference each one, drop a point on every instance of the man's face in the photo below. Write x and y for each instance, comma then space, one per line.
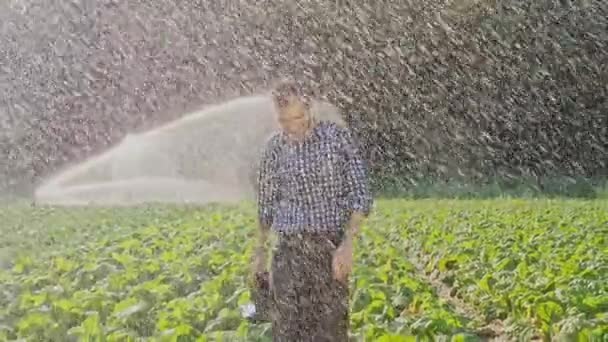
292, 116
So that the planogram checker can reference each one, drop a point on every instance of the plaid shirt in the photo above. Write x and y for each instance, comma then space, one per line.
313, 184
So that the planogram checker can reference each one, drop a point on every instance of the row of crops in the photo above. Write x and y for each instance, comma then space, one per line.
457, 270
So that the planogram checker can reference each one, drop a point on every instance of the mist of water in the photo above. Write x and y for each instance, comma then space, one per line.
206, 156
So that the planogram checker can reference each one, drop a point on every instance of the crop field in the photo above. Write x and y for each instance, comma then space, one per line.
425, 270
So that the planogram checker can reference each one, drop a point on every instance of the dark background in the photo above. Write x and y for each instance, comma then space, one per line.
434, 89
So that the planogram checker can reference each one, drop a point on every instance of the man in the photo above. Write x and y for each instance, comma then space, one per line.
313, 191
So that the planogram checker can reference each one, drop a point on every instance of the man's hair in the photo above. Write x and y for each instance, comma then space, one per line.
287, 88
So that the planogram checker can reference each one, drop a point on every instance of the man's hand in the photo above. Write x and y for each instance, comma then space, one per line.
259, 261
343, 256
343, 261
259, 257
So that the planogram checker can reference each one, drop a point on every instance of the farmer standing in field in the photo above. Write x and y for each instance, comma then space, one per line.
313, 192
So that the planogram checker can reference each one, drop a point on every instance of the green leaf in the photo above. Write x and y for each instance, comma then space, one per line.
465, 338
396, 338
549, 312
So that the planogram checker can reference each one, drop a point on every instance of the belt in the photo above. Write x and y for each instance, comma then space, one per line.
333, 236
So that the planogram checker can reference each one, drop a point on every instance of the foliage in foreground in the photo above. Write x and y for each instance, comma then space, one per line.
541, 267
169, 273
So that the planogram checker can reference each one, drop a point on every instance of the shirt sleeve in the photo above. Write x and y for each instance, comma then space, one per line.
267, 192
355, 171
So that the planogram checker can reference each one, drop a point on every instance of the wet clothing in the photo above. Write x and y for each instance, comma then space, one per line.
313, 184
307, 192
309, 304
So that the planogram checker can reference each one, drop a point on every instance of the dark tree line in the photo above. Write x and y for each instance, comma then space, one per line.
433, 88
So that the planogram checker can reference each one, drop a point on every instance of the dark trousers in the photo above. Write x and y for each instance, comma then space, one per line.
309, 304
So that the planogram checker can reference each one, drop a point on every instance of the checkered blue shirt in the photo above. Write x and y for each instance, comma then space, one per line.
314, 184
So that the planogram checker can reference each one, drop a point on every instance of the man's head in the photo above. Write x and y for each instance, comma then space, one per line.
293, 107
